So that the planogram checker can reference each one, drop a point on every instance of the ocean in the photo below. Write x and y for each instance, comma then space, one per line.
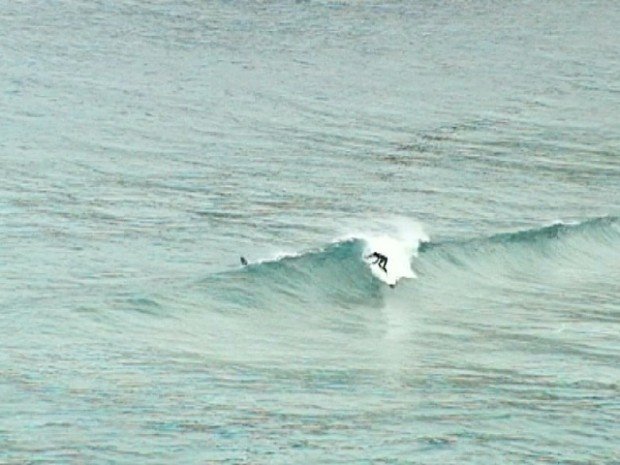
147, 145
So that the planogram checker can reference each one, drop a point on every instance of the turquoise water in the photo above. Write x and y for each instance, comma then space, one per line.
146, 146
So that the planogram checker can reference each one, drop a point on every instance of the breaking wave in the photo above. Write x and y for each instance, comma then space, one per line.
339, 275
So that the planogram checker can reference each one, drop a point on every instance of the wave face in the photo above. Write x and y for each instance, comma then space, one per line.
336, 274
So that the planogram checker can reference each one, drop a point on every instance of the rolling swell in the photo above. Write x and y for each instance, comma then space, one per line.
576, 245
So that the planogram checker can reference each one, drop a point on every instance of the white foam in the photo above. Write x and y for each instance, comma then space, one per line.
398, 239
399, 258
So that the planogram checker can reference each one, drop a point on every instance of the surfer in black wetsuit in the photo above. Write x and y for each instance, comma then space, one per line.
244, 262
380, 260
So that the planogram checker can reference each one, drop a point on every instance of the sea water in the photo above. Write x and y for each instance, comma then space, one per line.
146, 145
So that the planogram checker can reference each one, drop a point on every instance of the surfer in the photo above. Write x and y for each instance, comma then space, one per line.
244, 262
380, 260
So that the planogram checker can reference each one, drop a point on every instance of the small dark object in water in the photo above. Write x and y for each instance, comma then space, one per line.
244, 262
